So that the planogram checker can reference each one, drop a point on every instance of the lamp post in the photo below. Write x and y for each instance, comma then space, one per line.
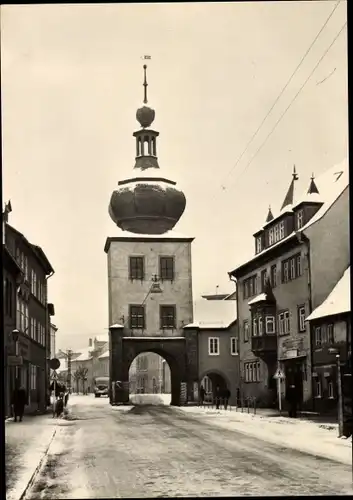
340, 399
15, 336
339, 391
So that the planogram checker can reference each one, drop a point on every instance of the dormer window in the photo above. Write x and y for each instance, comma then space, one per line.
276, 233
258, 244
300, 219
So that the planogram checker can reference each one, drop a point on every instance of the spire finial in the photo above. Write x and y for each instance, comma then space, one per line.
145, 84
295, 175
313, 187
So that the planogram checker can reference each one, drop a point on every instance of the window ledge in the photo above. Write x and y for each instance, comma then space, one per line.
318, 397
213, 353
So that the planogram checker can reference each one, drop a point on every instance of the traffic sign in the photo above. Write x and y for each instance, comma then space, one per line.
279, 374
54, 364
54, 375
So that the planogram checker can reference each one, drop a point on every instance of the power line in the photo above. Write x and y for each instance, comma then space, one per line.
279, 96
283, 90
291, 102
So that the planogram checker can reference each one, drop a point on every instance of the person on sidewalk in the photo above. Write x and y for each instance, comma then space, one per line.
292, 399
19, 401
218, 397
226, 397
202, 395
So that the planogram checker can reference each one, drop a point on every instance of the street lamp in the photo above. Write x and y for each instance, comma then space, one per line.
339, 391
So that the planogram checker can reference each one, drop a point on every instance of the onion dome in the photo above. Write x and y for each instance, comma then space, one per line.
147, 202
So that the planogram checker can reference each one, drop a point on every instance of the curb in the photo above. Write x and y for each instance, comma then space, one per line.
37, 469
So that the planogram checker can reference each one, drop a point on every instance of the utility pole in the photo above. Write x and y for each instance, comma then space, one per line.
69, 356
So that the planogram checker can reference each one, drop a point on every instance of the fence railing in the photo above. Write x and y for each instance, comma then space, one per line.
244, 405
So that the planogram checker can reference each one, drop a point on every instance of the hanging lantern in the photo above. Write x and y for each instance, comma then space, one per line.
155, 287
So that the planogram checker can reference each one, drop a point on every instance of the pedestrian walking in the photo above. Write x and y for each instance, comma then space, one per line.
19, 401
202, 395
218, 397
292, 399
226, 397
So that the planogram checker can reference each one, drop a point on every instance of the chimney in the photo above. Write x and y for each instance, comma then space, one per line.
89, 342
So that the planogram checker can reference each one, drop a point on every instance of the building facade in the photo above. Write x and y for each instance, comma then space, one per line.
277, 288
330, 328
13, 277
215, 323
32, 316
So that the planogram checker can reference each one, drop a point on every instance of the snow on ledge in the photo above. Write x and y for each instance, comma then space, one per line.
117, 325
258, 298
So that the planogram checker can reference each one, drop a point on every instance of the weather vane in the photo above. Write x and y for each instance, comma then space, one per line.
145, 84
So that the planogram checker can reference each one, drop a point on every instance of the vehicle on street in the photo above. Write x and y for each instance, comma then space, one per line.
101, 387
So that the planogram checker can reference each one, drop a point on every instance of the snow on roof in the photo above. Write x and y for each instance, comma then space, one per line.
84, 356
213, 313
329, 190
330, 185
102, 338
258, 298
338, 301
119, 233
117, 325
105, 355
263, 252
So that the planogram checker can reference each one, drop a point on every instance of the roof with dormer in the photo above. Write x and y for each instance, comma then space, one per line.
331, 185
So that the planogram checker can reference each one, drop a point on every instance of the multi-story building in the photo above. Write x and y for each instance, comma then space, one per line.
13, 277
330, 327
215, 321
299, 256
32, 316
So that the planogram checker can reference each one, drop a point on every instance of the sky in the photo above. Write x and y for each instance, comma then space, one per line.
71, 81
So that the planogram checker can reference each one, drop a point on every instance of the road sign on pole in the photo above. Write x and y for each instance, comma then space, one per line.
279, 374
54, 364
54, 375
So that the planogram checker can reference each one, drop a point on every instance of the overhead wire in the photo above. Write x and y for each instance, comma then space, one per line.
291, 102
282, 91
294, 98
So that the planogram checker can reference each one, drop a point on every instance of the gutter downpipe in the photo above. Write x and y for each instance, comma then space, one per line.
239, 343
303, 238
47, 317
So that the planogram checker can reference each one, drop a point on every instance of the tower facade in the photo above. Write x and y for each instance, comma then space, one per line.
149, 271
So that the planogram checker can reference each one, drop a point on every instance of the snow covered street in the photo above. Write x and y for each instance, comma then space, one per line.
154, 451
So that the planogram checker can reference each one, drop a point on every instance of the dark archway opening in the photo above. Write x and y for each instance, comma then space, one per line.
211, 380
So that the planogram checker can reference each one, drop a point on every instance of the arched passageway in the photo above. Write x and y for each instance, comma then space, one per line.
149, 373
180, 353
211, 380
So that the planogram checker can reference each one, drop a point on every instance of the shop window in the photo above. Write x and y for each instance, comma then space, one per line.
317, 387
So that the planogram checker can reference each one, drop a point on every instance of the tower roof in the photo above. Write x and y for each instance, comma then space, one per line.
269, 215
289, 198
146, 202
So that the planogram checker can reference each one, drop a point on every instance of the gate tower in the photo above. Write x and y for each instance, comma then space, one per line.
149, 271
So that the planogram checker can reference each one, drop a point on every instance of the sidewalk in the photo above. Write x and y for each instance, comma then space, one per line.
26, 444
300, 434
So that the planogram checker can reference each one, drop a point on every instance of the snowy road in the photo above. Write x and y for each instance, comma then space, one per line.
157, 451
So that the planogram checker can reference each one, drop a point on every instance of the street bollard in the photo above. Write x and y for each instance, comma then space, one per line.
248, 403
254, 406
242, 405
